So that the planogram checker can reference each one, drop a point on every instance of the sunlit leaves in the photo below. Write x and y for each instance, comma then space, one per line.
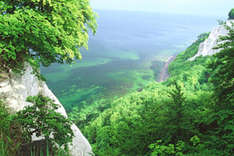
222, 78
181, 120
53, 30
42, 119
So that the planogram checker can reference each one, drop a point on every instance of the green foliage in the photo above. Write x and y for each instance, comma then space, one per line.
112, 132
42, 119
43, 31
222, 67
137, 120
191, 148
195, 140
84, 115
182, 112
222, 78
192, 75
231, 14
167, 150
10, 132
176, 115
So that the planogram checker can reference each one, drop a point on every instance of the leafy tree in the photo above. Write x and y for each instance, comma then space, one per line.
42, 119
192, 74
231, 14
16, 129
176, 113
222, 78
137, 120
193, 147
167, 150
222, 67
10, 132
43, 31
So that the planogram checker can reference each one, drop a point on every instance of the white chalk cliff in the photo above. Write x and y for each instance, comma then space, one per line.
206, 48
15, 88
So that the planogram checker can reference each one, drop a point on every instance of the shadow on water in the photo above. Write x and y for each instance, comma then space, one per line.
113, 78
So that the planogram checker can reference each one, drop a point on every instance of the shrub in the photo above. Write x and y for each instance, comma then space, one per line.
10, 132
42, 119
231, 14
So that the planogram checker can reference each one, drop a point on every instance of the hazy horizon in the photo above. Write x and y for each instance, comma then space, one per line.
126, 54
216, 8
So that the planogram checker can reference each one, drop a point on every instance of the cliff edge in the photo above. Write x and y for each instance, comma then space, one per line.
206, 48
15, 88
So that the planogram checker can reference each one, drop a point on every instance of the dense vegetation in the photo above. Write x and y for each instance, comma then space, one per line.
43, 31
115, 65
189, 114
40, 119
39, 32
231, 14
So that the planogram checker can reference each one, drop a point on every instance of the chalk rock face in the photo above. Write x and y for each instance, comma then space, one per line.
206, 48
15, 88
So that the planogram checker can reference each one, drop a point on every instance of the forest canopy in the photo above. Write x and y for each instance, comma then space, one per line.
189, 114
43, 31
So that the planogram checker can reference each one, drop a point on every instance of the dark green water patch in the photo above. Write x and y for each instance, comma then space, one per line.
120, 56
85, 84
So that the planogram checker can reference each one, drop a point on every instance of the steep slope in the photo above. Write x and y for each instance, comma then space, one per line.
174, 112
15, 88
206, 48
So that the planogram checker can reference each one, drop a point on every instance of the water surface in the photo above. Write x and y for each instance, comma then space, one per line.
122, 53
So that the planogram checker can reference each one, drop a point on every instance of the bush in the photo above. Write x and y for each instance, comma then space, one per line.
41, 119
10, 132
231, 14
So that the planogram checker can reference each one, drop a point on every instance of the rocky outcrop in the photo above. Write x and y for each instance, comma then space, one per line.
206, 48
15, 88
